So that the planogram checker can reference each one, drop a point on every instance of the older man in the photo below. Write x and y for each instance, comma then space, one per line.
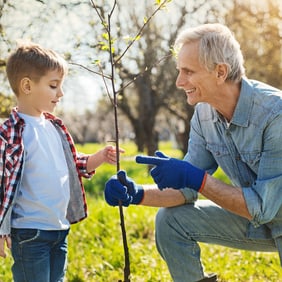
236, 126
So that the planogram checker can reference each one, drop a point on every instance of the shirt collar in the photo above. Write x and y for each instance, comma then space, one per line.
53, 118
17, 119
242, 113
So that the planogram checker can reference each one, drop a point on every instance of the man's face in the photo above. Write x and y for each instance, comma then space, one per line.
193, 78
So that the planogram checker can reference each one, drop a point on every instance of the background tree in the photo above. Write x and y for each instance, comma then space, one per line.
154, 89
6, 104
258, 27
5, 100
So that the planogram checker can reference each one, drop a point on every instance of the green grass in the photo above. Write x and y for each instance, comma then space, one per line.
96, 250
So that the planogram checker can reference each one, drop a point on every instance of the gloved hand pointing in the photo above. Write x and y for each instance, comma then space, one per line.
174, 173
120, 187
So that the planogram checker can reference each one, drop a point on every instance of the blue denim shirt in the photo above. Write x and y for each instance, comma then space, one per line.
249, 151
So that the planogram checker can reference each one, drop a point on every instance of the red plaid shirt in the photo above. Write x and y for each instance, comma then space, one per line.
12, 159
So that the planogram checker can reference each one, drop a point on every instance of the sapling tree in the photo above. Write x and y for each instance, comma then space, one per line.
113, 89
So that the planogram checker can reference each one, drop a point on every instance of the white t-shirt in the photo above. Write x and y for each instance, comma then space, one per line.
44, 193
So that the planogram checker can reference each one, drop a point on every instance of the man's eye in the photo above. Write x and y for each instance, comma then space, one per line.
53, 86
188, 72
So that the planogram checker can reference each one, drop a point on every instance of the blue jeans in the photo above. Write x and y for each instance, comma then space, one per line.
179, 229
39, 255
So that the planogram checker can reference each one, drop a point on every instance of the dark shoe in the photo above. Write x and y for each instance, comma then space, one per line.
209, 278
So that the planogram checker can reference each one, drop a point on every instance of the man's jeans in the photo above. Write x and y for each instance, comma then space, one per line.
178, 230
39, 255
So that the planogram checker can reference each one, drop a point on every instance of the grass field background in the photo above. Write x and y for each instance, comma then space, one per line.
95, 244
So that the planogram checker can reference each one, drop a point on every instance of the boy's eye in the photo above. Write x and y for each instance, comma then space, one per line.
53, 86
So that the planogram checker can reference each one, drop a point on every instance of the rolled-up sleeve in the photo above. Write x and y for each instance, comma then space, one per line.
264, 199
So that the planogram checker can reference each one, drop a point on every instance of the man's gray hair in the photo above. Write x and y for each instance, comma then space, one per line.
217, 45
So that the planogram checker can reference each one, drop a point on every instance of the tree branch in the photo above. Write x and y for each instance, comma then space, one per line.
161, 5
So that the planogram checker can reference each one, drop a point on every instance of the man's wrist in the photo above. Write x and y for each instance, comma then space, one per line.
203, 182
196, 177
138, 197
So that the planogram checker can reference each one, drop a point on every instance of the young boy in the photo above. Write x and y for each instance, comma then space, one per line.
40, 171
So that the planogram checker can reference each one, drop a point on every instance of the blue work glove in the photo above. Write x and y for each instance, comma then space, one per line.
170, 172
123, 188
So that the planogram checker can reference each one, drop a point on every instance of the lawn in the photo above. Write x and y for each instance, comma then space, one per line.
95, 244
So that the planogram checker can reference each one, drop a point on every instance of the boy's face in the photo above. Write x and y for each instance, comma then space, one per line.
43, 95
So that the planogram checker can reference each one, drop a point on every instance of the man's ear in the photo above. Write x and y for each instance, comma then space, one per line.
25, 86
221, 72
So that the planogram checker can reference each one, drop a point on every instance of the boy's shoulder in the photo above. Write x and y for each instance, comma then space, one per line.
5, 128
10, 126
4, 123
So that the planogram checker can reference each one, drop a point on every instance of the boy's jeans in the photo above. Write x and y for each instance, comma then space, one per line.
178, 230
39, 255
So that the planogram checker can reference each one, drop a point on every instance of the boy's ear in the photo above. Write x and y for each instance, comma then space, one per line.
25, 85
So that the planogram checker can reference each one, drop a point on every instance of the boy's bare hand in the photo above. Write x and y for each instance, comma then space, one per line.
2, 245
110, 154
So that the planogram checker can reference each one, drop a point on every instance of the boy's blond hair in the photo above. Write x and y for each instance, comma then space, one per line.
32, 61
